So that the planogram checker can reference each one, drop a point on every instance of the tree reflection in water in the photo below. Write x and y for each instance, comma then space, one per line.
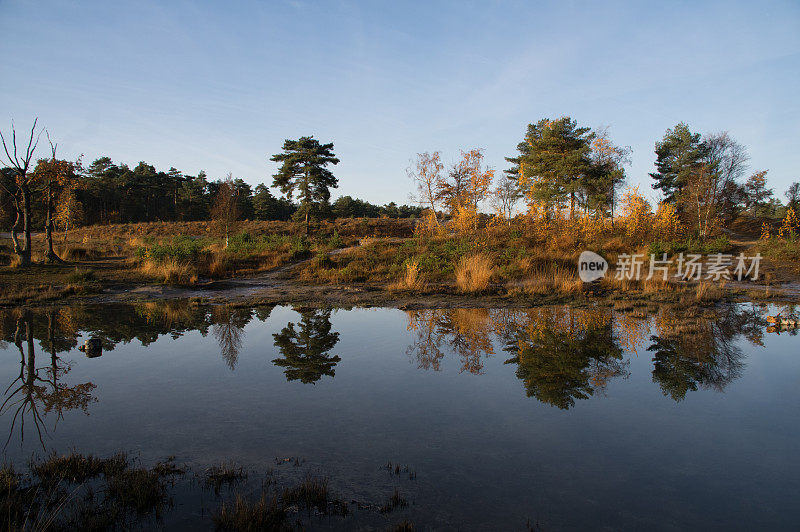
37, 392
566, 354
563, 354
468, 332
228, 329
305, 349
701, 351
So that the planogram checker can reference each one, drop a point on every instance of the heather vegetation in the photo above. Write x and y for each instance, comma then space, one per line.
475, 231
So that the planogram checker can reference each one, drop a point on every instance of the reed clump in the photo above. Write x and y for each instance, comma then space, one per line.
170, 271
549, 279
411, 278
474, 272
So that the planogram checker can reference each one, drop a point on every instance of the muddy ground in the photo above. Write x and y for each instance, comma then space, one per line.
278, 287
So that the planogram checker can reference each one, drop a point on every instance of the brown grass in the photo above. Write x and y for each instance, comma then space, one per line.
217, 267
170, 272
264, 514
544, 280
346, 227
412, 279
474, 272
312, 492
77, 253
611, 283
658, 284
706, 292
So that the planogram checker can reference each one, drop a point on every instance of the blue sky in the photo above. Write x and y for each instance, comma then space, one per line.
219, 86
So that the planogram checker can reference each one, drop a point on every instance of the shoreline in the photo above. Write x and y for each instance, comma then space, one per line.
270, 289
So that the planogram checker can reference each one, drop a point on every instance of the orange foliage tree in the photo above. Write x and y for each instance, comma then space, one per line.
636, 214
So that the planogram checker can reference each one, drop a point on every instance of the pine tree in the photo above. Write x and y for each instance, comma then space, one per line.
304, 170
678, 155
553, 161
305, 350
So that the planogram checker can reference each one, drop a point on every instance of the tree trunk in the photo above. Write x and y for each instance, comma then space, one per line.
700, 222
50, 255
307, 199
15, 227
51, 341
571, 205
612, 207
432, 201
25, 253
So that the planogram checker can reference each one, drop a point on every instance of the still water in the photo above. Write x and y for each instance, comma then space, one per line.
554, 416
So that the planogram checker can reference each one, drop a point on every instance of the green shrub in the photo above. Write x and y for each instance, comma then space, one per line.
240, 242
780, 249
300, 248
80, 276
335, 241
322, 261
181, 248
721, 244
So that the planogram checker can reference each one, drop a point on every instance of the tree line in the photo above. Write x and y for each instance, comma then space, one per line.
51, 193
563, 169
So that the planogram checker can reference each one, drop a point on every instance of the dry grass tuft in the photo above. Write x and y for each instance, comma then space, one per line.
77, 253
312, 492
474, 272
412, 279
658, 284
706, 292
551, 279
264, 514
218, 267
170, 271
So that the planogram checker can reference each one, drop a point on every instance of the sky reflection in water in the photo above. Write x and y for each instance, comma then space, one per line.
572, 417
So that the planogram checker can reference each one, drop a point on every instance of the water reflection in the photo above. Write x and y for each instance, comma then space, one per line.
566, 354
37, 392
561, 355
228, 329
467, 332
691, 352
305, 349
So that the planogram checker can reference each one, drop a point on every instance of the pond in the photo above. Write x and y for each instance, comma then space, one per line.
552, 417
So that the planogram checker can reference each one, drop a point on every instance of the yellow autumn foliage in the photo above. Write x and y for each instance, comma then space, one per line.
667, 224
636, 215
790, 226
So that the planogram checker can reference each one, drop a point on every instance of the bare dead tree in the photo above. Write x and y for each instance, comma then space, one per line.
705, 195
21, 189
505, 196
22, 400
51, 178
427, 174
